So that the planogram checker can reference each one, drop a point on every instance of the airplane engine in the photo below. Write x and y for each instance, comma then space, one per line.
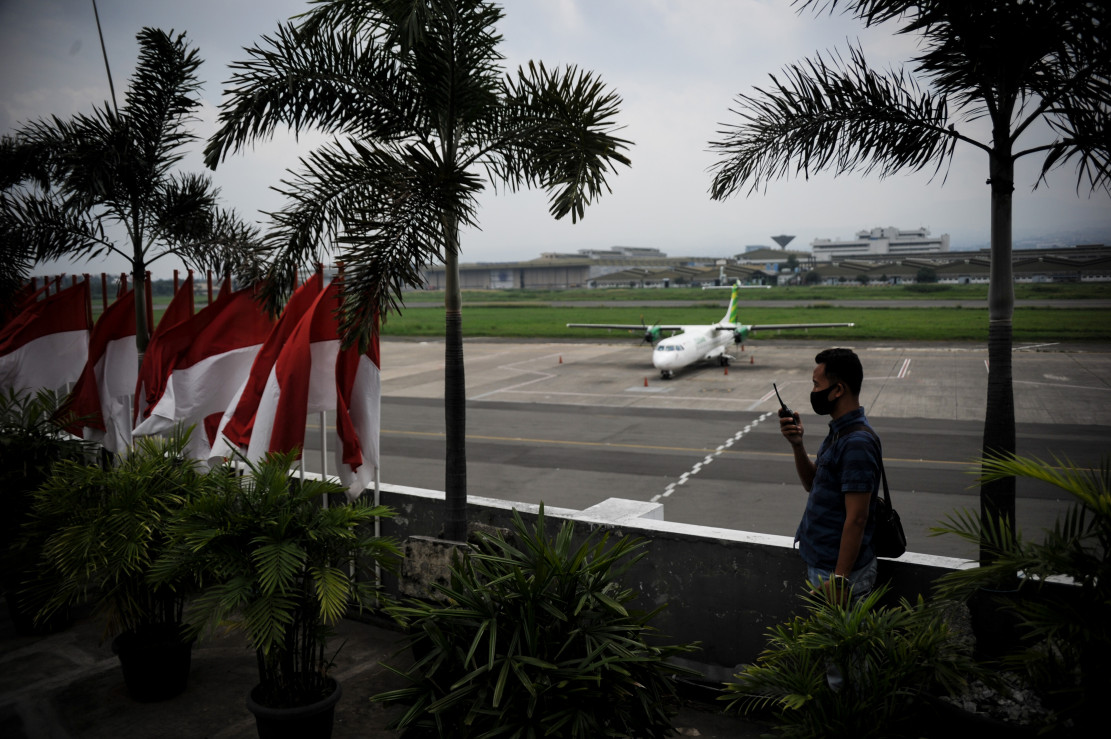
740, 334
652, 335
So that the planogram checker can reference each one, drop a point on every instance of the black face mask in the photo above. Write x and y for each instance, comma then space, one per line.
821, 402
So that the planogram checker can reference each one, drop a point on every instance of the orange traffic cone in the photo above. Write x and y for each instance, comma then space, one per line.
752, 360
727, 369
561, 359
646, 382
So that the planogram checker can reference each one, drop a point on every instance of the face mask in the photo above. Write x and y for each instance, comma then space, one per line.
821, 402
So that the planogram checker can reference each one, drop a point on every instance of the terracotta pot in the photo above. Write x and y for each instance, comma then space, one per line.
313, 721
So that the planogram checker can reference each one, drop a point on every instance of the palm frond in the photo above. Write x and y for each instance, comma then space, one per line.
835, 114
560, 135
333, 82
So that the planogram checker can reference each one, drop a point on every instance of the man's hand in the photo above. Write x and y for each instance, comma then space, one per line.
837, 590
791, 428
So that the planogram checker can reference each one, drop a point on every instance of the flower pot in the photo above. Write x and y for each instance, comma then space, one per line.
155, 661
313, 721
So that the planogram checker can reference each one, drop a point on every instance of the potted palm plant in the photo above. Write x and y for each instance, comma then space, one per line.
1062, 603
101, 528
279, 564
32, 440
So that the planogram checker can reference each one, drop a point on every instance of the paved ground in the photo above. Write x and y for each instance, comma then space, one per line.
69, 686
574, 423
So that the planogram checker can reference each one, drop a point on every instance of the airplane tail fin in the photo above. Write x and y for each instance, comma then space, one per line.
731, 312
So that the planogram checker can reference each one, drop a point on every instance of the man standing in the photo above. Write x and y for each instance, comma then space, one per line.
835, 534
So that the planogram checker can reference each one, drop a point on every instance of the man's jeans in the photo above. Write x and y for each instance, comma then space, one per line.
861, 580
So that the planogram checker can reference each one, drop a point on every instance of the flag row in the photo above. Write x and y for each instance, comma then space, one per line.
246, 382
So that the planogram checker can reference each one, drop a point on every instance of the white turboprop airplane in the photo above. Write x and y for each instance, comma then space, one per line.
690, 344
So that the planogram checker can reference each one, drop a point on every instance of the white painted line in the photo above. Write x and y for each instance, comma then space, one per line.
683, 478
905, 367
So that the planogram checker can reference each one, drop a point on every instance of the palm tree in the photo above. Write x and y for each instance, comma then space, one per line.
1014, 63
423, 117
69, 184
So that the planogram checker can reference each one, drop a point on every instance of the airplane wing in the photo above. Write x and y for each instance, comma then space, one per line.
778, 326
626, 326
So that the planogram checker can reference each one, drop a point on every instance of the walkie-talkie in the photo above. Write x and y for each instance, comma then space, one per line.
784, 411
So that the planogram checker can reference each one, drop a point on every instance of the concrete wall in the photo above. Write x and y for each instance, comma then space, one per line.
721, 587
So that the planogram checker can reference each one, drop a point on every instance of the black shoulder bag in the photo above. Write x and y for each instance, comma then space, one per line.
888, 539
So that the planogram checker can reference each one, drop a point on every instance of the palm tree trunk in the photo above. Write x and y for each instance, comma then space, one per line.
997, 498
455, 399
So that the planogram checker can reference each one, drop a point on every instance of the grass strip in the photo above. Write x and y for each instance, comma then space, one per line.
889, 324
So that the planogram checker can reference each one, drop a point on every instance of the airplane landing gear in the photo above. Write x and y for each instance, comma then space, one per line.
666, 374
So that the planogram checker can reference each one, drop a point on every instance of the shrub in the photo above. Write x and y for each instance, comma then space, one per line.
850, 671
537, 639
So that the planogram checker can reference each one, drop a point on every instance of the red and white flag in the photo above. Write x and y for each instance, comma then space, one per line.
209, 357
312, 374
47, 343
238, 421
101, 399
158, 358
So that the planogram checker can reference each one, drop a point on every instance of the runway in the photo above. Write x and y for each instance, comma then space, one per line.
572, 424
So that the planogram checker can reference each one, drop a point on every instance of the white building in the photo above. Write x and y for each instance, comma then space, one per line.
879, 241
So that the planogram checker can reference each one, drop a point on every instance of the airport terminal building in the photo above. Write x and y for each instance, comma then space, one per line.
886, 259
880, 242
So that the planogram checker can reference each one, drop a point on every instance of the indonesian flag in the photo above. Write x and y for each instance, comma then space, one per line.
209, 357
101, 399
158, 358
312, 374
238, 421
47, 343
20, 299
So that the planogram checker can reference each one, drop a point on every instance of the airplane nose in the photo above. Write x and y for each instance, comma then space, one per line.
665, 360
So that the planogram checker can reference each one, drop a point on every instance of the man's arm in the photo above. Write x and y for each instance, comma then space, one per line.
852, 534
791, 428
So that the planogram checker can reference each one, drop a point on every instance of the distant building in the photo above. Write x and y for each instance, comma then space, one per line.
880, 241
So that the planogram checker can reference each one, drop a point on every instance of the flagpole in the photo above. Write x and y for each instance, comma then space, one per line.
104, 52
323, 451
377, 533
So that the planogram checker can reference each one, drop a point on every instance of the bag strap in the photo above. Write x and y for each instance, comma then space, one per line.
883, 474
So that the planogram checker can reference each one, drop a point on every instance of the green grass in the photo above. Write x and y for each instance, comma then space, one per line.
528, 313
1023, 291
917, 323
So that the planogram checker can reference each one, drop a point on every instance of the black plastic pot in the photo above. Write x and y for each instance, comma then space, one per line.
313, 721
155, 662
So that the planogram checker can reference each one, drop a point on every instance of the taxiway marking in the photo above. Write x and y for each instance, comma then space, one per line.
683, 478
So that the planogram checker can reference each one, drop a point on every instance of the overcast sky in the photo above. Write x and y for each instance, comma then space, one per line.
677, 64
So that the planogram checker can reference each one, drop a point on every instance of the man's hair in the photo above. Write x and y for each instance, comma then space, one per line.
842, 365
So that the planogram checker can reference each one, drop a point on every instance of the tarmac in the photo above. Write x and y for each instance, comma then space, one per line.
69, 685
